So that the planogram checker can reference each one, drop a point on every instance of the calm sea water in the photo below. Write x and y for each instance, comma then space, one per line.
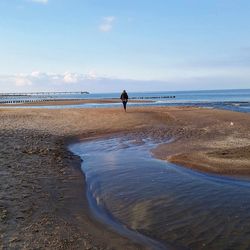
179, 207
237, 100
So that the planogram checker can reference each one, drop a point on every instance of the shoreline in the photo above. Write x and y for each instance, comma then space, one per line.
72, 102
43, 200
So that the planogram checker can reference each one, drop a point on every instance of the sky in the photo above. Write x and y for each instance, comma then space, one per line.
111, 45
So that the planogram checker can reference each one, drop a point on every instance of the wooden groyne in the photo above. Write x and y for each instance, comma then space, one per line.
153, 97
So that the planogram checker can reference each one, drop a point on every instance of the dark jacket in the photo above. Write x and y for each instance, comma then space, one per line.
124, 96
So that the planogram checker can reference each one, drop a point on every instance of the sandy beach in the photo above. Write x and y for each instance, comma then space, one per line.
43, 203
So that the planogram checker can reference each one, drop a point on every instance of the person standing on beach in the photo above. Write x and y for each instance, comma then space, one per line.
124, 98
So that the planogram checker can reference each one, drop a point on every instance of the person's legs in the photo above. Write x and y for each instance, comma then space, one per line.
124, 105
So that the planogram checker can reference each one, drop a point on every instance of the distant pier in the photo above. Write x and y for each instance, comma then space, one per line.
27, 97
43, 93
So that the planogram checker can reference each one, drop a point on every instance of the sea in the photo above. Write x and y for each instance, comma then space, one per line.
232, 99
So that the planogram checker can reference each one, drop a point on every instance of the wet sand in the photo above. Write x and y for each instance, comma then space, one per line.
43, 203
74, 102
213, 141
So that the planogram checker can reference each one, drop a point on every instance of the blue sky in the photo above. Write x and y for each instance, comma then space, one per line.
109, 45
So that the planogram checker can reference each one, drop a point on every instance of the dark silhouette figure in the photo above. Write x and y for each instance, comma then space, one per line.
124, 98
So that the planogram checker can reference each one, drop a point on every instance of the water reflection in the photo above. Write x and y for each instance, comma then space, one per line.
164, 201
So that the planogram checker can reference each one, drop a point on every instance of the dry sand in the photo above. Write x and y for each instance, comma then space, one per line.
42, 195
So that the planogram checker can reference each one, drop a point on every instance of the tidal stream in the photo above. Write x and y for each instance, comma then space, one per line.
162, 204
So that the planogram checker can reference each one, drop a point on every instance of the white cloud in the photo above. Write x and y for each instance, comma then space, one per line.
71, 77
40, 1
36, 74
176, 79
37, 78
91, 75
107, 24
22, 80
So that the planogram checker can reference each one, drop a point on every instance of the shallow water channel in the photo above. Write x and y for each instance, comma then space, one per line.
129, 189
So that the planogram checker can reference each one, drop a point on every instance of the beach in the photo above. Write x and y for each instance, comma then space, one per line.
43, 198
